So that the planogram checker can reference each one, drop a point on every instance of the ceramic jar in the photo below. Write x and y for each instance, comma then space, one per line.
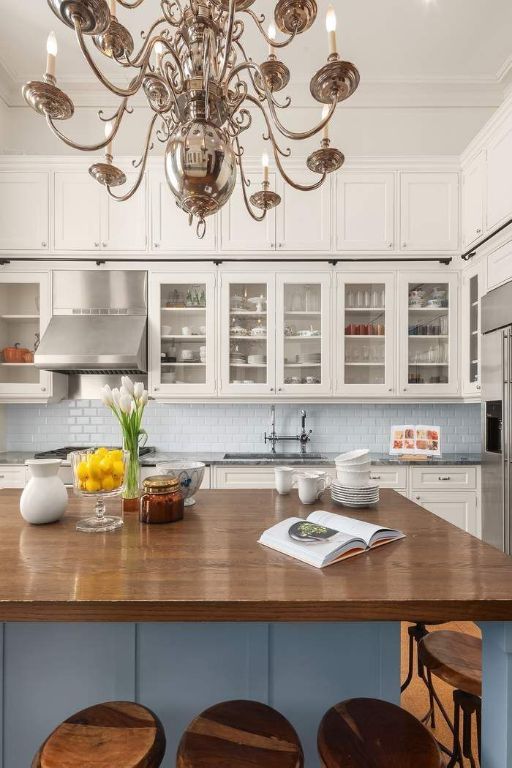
44, 499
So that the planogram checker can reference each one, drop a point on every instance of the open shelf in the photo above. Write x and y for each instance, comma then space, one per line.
170, 365
16, 365
302, 338
180, 337
183, 309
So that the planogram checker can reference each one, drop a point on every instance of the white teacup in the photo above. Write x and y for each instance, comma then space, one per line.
284, 477
186, 331
311, 486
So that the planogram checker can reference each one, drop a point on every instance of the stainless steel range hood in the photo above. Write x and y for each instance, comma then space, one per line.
98, 324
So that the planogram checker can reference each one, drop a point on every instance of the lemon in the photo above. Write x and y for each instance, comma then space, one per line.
94, 469
82, 471
106, 465
108, 483
118, 467
101, 452
118, 479
92, 486
116, 455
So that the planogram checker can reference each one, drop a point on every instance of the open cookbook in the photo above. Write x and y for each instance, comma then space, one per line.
324, 538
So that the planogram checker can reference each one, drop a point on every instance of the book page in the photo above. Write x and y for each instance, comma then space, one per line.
354, 528
314, 553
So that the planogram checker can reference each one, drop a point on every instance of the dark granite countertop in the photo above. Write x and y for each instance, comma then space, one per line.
217, 459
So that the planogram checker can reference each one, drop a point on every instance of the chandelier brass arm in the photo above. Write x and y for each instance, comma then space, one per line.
195, 73
117, 118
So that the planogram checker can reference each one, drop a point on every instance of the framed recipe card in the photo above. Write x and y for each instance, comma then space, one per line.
414, 440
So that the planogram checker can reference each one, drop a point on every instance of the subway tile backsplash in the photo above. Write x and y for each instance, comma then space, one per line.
239, 427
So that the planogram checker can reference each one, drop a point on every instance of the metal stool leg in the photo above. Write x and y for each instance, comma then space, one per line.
470, 706
410, 671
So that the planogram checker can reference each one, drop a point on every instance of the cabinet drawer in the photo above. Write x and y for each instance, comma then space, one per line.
458, 508
12, 477
390, 477
443, 478
255, 477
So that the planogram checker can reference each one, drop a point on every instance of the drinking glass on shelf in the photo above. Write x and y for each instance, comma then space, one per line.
350, 298
367, 298
375, 298
360, 299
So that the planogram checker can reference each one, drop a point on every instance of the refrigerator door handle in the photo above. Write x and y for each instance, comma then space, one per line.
505, 437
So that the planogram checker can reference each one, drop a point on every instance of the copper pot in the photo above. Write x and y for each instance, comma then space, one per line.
12, 354
28, 356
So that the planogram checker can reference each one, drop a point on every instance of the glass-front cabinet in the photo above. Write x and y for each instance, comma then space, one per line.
303, 341
24, 315
428, 348
248, 333
182, 334
365, 315
472, 291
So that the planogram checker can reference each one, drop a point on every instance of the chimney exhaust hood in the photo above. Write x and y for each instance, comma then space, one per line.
98, 323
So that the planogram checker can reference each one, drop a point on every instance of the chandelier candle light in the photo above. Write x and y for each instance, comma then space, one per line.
127, 404
199, 91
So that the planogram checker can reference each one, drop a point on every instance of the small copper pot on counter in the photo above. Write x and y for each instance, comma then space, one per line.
161, 500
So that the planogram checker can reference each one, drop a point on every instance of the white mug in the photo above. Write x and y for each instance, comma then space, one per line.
284, 477
186, 331
311, 486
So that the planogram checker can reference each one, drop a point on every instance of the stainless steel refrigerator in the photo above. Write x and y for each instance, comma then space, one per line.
497, 418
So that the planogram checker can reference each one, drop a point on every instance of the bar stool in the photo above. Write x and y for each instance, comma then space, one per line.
240, 734
417, 632
118, 733
359, 733
456, 658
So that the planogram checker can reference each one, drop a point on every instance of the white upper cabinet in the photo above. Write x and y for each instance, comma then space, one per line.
24, 211
87, 219
170, 228
78, 201
473, 186
473, 288
304, 218
239, 231
124, 224
365, 211
499, 164
429, 212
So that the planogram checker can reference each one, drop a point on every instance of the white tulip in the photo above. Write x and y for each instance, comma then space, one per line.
106, 395
116, 395
144, 398
138, 390
127, 384
125, 403
124, 392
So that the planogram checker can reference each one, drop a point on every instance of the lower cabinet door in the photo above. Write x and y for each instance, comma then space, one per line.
254, 477
12, 476
460, 509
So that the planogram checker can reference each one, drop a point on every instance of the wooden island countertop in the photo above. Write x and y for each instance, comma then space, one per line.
210, 567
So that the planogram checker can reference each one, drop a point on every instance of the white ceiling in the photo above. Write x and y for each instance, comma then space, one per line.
454, 51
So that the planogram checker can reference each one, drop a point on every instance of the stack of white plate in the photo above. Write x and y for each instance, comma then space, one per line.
310, 358
257, 359
238, 359
350, 496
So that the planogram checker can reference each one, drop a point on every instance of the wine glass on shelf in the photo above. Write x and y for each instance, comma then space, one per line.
99, 474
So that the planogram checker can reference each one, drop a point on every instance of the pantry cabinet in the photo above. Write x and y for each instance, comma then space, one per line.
182, 333
473, 288
24, 211
171, 231
429, 212
24, 315
87, 219
365, 211
366, 330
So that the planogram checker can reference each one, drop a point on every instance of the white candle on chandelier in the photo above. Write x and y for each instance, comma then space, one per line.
51, 50
330, 25
272, 34
108, 133
159, 51
112, 7
264, 162
325, 112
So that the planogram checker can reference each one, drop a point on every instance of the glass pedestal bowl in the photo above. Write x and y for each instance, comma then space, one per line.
99, 474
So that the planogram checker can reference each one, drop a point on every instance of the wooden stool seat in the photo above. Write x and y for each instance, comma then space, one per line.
240, 734
117, 734
454, 657
360, 733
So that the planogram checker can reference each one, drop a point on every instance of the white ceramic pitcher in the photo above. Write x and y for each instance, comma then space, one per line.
44, 499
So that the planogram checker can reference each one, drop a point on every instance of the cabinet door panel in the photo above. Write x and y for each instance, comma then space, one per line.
365, 211
429, 212
456, 508
23, 199
499, 190
124, 226
170, 229
473, 188
240, 232
304, 218
78, 203
499, 266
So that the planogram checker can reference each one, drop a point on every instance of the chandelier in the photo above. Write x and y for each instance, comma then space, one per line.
199, 81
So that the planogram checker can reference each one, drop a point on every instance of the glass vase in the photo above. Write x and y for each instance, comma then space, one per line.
132, 475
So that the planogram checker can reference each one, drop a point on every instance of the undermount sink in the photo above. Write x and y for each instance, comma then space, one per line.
274, 456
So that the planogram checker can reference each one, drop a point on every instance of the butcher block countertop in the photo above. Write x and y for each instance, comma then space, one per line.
210, 567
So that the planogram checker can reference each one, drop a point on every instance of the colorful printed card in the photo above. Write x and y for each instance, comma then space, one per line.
419, 439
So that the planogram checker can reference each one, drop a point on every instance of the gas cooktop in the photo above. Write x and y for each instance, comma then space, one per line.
63, 453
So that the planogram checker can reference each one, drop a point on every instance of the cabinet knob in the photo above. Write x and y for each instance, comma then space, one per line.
479, 231
96, 245
43, 244
418, 498
156, 389
404, 389
156, 245
280, 389
375, 477
404, 245
478, 386
271, 389
390, 389
43, 389
444, 477
105, 245
390, 245
272, 245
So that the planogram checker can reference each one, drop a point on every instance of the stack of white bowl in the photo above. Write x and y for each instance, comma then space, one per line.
352, 486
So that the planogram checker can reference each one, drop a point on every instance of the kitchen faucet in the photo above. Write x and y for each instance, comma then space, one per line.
303, 437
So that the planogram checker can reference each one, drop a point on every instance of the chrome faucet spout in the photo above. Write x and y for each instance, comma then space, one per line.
303, 438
